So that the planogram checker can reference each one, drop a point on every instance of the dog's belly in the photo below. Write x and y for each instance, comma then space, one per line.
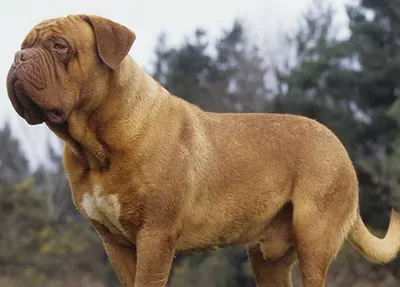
210, 234
200, 241
211, 229
269, 235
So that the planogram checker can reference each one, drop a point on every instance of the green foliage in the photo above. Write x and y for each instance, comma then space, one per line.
37, 249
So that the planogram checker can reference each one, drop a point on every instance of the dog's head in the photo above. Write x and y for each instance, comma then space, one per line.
63, 64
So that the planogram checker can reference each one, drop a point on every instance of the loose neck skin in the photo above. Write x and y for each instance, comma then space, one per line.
94, 134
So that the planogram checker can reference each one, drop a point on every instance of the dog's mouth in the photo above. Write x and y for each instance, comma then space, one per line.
18, 92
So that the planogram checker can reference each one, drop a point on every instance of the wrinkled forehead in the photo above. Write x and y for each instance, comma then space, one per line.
71, 28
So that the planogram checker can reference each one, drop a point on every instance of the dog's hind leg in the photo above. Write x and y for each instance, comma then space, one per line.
271, 274
321, 221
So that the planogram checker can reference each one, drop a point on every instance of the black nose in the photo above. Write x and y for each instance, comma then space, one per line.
22, 56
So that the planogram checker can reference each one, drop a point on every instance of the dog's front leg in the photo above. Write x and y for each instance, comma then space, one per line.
155, 253
121, 256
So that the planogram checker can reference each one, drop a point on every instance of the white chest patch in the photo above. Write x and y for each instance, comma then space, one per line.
104, 209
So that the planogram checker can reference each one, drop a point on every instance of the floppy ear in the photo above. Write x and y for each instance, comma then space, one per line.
113, 40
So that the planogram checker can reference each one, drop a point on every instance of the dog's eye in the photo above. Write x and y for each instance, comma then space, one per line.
60, 47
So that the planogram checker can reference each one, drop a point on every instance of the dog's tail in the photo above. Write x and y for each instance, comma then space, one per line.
375, 249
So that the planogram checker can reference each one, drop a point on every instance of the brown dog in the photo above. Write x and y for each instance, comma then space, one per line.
156, 175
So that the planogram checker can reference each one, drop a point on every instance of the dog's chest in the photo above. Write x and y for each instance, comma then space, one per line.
103, 208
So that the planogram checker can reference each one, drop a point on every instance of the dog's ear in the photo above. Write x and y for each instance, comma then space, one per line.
113, 40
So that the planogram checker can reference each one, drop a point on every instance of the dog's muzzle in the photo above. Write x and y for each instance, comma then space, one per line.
25, 83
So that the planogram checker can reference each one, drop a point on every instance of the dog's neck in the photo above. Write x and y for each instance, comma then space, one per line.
134, 97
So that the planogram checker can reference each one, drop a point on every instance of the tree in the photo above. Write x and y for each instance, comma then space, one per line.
40, 251
184, 70
14, 167
231, 80
238, 77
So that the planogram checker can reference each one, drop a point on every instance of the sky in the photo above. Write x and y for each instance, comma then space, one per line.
265, 20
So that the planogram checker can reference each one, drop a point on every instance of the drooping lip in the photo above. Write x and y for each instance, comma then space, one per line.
21, 102
11, 80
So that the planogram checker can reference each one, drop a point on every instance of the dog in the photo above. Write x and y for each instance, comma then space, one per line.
155, 175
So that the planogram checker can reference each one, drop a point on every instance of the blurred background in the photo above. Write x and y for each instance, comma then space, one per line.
335, 61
